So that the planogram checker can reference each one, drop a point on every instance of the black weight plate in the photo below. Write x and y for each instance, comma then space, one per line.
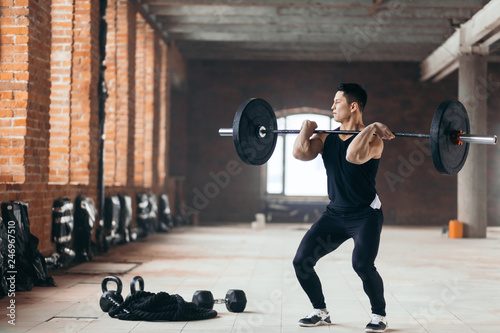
449, 117
250, 116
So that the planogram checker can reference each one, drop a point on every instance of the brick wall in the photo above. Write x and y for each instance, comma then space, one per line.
15, 23
164, 114
37, 110
156, 139
125, 49
140, 97
83, 92
60, 95
111, 174
49, 69
411, 193
149, 106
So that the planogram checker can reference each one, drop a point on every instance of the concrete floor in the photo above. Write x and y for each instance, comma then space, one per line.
433, 284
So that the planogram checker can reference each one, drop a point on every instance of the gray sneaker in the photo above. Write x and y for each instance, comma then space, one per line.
316, 318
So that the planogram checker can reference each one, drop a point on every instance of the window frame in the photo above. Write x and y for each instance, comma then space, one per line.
282, 197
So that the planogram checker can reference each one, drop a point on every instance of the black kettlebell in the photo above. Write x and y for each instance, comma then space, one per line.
133, 284
111, 298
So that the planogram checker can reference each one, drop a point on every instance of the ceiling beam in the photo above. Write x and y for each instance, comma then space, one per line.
290, 46
384, 12
475, 35
323, 3
266, 55
352, 40
172, 21
336, 29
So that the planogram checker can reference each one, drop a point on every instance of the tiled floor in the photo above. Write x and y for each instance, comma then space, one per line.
433, 284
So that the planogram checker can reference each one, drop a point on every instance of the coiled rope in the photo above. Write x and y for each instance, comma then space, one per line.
144, 305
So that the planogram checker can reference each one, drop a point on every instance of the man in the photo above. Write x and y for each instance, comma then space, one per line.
354, 211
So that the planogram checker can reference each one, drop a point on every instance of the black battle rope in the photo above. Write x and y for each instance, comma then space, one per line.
144, 305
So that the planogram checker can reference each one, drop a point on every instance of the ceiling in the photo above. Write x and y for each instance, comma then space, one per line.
309, 30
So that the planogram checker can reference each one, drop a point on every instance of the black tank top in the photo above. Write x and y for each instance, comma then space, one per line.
350, 186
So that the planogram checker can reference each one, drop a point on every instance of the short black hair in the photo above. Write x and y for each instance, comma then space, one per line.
353, 92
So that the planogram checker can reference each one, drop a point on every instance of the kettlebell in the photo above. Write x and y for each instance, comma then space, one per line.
110, 298
133, 284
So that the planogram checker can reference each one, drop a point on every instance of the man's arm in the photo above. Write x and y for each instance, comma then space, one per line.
307, 146
366, 146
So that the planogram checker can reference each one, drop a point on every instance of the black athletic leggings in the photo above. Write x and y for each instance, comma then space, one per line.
331, 230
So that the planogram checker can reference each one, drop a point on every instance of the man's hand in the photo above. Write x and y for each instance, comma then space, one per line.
308, 127
366, 146
307, 146
383, 131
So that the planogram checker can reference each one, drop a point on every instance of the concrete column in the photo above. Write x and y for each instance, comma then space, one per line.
473, 93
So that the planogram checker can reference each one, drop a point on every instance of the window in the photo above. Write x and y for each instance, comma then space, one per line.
289, 176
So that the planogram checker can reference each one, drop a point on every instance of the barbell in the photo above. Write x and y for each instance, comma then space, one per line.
255, 133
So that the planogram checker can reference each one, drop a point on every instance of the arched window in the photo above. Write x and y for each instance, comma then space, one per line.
290, 177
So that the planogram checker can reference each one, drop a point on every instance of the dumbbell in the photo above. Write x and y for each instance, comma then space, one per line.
110, 298
235, 300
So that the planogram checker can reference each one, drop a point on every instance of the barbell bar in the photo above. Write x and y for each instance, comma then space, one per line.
465, 138
255, 133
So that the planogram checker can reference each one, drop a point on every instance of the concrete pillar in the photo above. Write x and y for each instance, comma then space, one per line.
473, 93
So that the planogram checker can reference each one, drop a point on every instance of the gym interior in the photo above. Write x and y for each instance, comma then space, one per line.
110, 114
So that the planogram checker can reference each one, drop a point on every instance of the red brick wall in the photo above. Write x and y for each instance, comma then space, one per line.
140, 97
49, 105
36, 152
111, 174
84, 104
156, 117
60, 95
418, 195
125, 39
28, 72
15, 23
164, 114
142, 74
149, 106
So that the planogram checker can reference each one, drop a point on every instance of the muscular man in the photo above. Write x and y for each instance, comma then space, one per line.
354, 211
